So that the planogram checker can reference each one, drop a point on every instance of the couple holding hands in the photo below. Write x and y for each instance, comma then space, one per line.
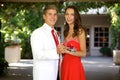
51, 57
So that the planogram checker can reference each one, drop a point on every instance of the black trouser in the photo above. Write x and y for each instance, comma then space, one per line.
58, 77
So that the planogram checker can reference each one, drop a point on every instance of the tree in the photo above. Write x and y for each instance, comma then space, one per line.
115, 26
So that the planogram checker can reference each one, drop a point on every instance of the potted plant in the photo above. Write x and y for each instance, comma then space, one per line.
115, 32
13, 48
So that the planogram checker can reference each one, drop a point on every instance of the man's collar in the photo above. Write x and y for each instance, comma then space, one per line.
46, 26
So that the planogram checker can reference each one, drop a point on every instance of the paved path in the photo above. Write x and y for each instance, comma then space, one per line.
96, 68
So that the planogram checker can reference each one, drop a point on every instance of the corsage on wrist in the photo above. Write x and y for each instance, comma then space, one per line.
72, 51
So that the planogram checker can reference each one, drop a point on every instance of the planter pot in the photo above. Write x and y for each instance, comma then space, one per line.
13, 53
116, 57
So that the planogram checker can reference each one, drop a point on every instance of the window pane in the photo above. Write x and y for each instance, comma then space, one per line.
106, 34
96, 29
106, 29
95, 44
101, 34
96, 39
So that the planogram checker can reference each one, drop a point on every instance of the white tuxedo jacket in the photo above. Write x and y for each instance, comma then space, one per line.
45, 57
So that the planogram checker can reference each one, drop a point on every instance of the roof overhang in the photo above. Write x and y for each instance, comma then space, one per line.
88, 20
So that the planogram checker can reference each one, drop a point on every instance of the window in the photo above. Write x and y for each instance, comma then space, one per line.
101, 37
58, 29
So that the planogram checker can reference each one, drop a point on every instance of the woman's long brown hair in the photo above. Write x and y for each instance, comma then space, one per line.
78, 28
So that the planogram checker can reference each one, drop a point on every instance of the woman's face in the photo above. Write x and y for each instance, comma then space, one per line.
69, 16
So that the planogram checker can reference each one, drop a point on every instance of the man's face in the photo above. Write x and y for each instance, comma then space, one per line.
50, 17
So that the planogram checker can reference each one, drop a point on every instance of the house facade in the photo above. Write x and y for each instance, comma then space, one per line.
97, 27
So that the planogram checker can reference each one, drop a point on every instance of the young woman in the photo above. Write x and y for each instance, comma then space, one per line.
73, 47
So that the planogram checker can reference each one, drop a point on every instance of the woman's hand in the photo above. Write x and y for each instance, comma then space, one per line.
61, 49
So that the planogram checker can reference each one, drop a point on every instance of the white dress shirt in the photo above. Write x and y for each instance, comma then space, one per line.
45, 57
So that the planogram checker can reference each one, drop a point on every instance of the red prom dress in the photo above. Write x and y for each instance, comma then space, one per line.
71, 66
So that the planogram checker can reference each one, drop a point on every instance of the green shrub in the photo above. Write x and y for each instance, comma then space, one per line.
3, 66
106, 51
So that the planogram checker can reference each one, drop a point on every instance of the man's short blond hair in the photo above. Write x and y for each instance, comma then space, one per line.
48, 7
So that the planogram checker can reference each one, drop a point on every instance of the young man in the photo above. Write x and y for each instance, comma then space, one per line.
44, 48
